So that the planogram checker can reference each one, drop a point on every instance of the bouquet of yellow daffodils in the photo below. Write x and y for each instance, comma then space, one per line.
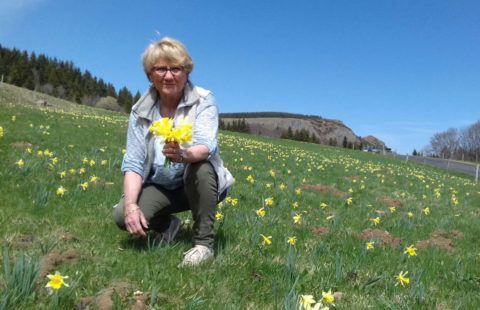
167, 132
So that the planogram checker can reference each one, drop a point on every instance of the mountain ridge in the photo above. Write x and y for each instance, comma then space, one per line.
326, 131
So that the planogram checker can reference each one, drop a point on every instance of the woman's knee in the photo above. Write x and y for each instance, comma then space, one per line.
200, 171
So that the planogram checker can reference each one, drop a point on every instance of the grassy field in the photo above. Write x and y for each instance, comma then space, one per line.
301, 220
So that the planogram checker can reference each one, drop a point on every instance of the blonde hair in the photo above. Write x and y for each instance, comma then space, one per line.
168, 49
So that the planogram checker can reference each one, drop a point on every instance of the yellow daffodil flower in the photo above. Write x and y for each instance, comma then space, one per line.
426, 211
20, 163
61, 191
269, 201
328, 298
266, 240
411, 251
297, 219
261, 212
84, 185
250, 179
370, 245
56, 281
306, 302
402, 278
330, 217
375, 220
323, 205
218, 216
292, 240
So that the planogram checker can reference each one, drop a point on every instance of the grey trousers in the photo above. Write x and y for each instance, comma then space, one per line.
199, 194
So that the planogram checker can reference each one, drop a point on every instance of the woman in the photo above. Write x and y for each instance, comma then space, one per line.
196, 180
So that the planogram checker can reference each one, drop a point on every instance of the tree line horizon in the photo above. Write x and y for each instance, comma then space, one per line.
62, 79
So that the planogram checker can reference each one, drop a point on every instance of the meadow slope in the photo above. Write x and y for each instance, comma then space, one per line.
301, 219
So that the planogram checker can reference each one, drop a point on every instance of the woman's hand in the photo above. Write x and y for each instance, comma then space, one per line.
172, 151
135, 221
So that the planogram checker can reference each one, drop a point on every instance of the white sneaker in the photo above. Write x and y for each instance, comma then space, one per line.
197, 255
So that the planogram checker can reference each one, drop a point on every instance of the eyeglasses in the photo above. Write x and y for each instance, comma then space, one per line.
161, 71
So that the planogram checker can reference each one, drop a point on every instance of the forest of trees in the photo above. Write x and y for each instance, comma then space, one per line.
299, 135
461, 144
61, 79
235, 125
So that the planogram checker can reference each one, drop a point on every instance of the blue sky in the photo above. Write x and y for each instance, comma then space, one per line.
399, 70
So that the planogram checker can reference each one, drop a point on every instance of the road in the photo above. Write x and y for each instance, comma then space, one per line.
449, 165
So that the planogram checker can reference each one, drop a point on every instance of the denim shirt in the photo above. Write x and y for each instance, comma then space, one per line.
141, 144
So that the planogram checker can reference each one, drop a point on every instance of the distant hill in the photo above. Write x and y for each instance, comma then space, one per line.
278, 125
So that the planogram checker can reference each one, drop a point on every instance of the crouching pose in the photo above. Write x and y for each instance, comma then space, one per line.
162, 177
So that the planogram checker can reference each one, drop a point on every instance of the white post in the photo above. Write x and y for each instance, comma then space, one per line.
476, 173
406, 159
448, 164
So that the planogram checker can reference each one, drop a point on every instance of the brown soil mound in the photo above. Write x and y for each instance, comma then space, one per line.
53, 259
68, 237
380, 213
324, 189
441, 239
22, 145
383, 236
391, 202
23, 241
104, 300
320, 230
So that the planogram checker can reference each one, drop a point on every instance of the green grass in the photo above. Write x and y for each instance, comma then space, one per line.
76, 233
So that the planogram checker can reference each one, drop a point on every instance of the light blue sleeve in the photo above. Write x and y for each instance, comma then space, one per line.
136, 149
205, 131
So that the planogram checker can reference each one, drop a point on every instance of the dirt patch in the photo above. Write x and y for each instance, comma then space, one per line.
391, 202
441, 239
124, 290
22, 145
324, 189
68, 237
103, 301
53, 259
23, 241
380, 213
383, 236
320, 230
